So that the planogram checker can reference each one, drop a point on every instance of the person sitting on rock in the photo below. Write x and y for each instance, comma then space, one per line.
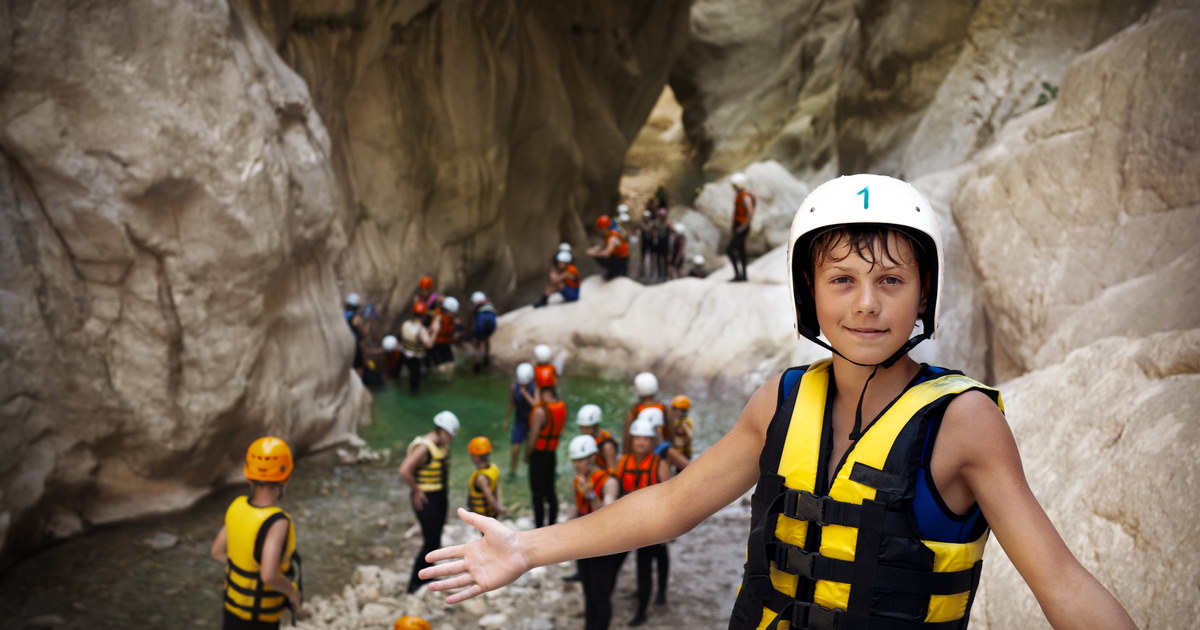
595, 487
698, 267
564, 280
613, 253
483, 486
483, 314
877, 478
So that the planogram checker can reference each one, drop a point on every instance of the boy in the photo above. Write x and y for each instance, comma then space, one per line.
613, 253
682, 426
595, 487
588, 421
257, 544
637, 470
545, 428
855, 455
645, 385
483, 487
564, 279
521, 400
425, 470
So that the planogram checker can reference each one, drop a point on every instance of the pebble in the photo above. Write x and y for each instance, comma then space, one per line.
162, 541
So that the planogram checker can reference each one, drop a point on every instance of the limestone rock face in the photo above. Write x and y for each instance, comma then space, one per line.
471, 138
167, 235
1109, 440
1082, 220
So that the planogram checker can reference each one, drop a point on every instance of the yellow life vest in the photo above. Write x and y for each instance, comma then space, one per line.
431, 476
246, 595
849, 554
478, 503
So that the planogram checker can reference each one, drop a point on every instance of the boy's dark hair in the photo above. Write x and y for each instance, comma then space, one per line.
552, 389
869, 242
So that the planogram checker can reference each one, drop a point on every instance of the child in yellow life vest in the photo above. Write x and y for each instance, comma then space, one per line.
682, 427
877, 479
257, 544
483, 487
426, 470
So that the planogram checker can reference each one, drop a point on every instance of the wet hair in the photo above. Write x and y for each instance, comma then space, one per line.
552, 389
870, 242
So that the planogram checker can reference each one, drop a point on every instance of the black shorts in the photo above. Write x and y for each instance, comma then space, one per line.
441, 353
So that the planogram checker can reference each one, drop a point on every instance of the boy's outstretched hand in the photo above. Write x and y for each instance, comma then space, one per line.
480, 565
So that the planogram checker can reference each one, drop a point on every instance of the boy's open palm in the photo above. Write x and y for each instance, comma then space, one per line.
478, 566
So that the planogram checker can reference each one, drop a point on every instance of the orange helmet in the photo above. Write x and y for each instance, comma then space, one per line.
603, 222
681, 402
419, 308
411, 623
479, 446
425, 283
268, 459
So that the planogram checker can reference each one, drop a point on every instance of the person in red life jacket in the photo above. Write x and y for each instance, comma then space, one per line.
441, 355
483, 486
588, 421
877, 479
417, 336
426, 471
595, 488
564, 280
744, 205
425, 293
640, 469
544, 372
483, 316
521, 399
646, 386
257, 544
546, 423
613, 253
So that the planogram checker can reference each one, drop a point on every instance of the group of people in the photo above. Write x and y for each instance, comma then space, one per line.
425, 340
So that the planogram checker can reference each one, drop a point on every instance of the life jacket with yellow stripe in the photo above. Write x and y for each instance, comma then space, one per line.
477, 501
431, 476
246, 594
848, 555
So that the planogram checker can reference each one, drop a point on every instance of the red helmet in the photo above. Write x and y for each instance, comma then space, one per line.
426, 283
420, 309
603, 222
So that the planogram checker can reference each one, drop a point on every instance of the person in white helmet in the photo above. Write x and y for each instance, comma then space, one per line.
645, 385
521, 399
425, 470
354, 319
698, 267
877, 478
483, 318
441, 355
744, 205
564, 279
640, 468
595, 487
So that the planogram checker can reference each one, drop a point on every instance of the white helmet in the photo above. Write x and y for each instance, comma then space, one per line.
390, 342
738, 179
450, 304
645, 384
623, 217
697, 259
588, 416
653, 415
680, 228
563, 257
525, 373
478, 297
447, 421
582, 446
642, 428
541, 352
353, 299
564, 247
872, 200
622, 209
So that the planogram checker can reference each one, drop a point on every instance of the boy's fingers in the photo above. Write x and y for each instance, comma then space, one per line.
445, 553
464, 595
457, 581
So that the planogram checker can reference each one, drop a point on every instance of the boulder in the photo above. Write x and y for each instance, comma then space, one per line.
1109, 440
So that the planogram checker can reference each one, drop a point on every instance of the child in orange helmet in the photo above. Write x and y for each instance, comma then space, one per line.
483, 487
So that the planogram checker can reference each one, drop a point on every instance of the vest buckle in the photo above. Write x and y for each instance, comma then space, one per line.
813, 616
794, 560
806, 506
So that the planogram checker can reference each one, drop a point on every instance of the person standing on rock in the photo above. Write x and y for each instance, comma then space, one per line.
483, 315
677, 251
744, 205
546, 423
638, 469
595, 487
613, 253
426, 471
521, 400
682, 426
877, 479
646, 386
257, 544
417, 335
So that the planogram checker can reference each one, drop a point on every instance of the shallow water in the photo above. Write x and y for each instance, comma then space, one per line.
345, 515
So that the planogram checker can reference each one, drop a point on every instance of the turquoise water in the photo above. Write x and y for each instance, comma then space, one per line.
346, 515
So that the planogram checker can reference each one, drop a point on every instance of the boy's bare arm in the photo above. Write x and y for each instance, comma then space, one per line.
271, 555
664, 511
990, 465
219, 551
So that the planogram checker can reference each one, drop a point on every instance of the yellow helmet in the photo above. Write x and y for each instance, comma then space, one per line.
681, 402
411, 623
268, 459
479, 446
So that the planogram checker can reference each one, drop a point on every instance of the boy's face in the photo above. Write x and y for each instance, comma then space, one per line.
479, 461
642, 445
581, 465
868, 309
588, 430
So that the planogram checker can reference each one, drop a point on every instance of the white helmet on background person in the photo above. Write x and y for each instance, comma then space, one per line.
478, 297
450, 304
563, 257
680, 228
582, 446
738, 179
698, 260
623, 217
588, 416
525, 373
642, 428
653, 415
865, 200
541, 352
447, 421
390, 343
354, 300
564, 247
622, 209
645, 384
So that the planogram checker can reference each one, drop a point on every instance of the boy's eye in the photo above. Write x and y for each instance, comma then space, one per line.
840, 280
891, 280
